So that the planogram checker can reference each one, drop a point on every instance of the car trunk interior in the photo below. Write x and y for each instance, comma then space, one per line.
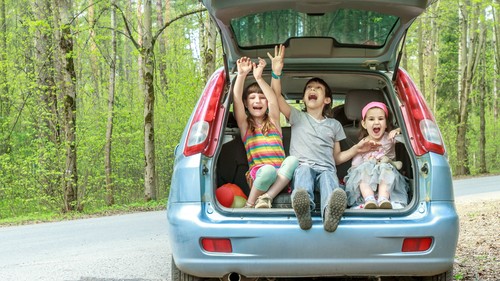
351, 92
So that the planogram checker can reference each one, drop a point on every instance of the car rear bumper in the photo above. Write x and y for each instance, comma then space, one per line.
275, 246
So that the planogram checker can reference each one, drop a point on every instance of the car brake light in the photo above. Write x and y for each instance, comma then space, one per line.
422, 128
205, 118
419, 244
220, 245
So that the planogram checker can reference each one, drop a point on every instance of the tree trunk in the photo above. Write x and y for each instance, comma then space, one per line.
94, 62
496, 29
110, 200
149, 103
67, 80
4, 94
140, 31
482, 92
468, 47
162, 66
208, 46
145, 45
482, 124
420, 56
433, 58
49, 127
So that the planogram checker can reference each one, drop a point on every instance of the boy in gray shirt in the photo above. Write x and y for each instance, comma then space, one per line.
315, 141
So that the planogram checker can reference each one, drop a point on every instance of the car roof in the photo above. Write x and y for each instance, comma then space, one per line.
317, 33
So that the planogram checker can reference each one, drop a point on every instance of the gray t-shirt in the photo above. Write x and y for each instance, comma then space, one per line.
312, 141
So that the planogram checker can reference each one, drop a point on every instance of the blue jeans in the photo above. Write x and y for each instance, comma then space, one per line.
311, 178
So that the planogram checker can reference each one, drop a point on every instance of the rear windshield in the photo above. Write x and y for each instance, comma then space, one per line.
347, 27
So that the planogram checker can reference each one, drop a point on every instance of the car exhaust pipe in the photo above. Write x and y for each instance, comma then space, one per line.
234, 276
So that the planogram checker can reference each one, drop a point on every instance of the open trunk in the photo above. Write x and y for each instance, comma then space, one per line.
352, 90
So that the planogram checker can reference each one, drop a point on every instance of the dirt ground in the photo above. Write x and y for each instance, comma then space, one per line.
478, 250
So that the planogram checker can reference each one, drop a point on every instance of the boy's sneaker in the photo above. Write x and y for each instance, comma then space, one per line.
264, 201
335, 209
301, 206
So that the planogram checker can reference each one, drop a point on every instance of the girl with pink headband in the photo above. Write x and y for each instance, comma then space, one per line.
373, 181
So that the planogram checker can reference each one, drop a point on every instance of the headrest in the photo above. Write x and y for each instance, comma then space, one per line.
355, 100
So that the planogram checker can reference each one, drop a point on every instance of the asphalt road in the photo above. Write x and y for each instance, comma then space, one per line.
128, 247
132, 247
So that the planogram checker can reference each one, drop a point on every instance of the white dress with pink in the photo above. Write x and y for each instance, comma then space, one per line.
367, 168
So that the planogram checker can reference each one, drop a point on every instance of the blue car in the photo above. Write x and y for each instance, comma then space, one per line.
354, 46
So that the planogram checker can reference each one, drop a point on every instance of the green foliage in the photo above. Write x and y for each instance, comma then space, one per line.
32, 151
32, 163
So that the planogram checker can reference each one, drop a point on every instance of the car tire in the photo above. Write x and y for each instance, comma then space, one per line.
177, 275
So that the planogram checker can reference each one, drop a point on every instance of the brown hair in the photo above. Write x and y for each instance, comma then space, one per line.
267, 124
327, 108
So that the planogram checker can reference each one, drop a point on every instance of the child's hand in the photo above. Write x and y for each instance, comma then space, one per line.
244, 65
277, 61
394, 133
366, 145
258, 69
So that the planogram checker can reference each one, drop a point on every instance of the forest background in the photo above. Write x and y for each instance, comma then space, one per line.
94, 95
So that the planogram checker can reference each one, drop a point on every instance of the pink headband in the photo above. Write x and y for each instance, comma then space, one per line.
372, 105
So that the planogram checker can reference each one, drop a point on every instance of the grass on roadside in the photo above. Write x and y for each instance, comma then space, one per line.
86, 213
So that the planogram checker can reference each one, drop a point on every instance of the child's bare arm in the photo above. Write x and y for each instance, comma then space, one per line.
272, 102
244, 67
362, 146
277, 67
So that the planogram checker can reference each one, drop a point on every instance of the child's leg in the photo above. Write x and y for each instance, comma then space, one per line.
303, 178
285, 174
303, 194
384, 196
333, 200
264, 177
368, 195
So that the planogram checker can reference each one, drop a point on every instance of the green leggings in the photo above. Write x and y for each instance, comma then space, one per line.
267, 174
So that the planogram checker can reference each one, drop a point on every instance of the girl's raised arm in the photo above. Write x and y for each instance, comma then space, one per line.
244, 67
272, 102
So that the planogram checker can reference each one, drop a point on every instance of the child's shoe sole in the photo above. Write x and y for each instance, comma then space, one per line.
371, 205
301, 206
385, 205
335, 209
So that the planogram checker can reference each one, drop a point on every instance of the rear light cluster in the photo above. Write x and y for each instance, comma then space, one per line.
422, 128
206, 122
217, 245
417, 244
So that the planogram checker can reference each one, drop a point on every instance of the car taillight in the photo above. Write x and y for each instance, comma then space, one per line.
418, 244
422, 128
219, 245
203, 124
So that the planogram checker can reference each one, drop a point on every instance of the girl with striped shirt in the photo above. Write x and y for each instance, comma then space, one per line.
257, 114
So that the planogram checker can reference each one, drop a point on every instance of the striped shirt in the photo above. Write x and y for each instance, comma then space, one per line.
263, 149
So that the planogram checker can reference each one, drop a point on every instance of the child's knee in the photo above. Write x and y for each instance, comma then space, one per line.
265, 177
288, 167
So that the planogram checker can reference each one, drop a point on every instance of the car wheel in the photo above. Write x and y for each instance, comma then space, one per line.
177, 275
